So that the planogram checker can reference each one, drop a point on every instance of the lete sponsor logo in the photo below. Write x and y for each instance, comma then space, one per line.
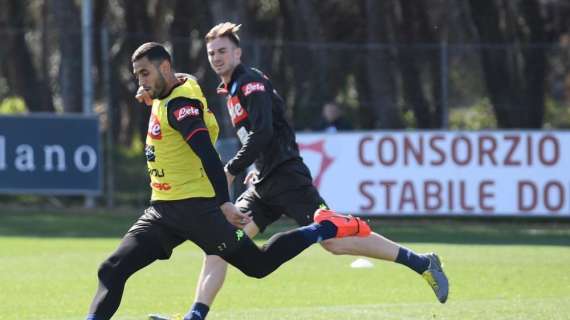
237, 112
252, 87
186, 111
154, 128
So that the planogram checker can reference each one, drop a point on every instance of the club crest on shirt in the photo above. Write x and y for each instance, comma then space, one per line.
186, 111
149, 153
252, 87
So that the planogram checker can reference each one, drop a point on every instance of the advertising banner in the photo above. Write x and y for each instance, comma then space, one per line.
47, 154
493, 173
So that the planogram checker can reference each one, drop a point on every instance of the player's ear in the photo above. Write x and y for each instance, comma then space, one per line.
237, 53
164, 67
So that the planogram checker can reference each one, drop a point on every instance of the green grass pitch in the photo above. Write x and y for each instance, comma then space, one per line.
498, 270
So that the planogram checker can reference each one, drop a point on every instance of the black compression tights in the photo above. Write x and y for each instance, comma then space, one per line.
135, 253
132, 255
259, 262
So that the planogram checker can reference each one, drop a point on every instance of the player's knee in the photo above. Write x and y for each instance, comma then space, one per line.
334, 247
215, 262
249, 267
253, 267
108, 272
105, 271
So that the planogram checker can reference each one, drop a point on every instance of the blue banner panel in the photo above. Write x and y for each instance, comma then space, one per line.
50, 154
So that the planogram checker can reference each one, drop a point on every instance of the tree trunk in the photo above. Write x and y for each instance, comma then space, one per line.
68, 24
139, 31
22, 76
515, 81
411, 73
99, 20
310, 78
366, 113
427, 34
497, 75
180, 33
534, 68
381, 75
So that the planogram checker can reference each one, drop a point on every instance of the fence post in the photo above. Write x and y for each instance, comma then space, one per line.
444, 67
87, 37
109, 167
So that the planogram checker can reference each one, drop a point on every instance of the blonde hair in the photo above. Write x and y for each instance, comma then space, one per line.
224, 29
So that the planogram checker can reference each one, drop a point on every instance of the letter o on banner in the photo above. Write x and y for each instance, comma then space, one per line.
91, 158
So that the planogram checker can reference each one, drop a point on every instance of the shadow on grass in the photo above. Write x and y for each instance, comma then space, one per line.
80, 223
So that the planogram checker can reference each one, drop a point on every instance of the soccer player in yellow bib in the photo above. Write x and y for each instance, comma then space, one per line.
190, 198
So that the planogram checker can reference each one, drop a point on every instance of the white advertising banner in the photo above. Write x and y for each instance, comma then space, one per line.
496, 173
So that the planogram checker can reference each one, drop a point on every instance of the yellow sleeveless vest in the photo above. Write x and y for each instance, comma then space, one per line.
175, 170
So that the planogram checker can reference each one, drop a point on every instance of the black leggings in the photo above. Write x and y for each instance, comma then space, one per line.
259, 262
137, 251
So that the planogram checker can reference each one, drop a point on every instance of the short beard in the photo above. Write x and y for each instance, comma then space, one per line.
160, 86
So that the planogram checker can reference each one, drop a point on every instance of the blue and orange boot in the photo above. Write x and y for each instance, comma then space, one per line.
347, 226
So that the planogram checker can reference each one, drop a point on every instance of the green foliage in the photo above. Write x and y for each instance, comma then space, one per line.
556, 115
409, 119
130, 174
479, 116
13, 105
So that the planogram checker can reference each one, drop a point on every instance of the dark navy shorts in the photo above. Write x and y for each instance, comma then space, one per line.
288, 190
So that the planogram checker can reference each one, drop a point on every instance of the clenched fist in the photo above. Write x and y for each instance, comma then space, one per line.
142, 96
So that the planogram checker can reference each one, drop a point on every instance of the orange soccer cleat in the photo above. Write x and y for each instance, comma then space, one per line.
347, 226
